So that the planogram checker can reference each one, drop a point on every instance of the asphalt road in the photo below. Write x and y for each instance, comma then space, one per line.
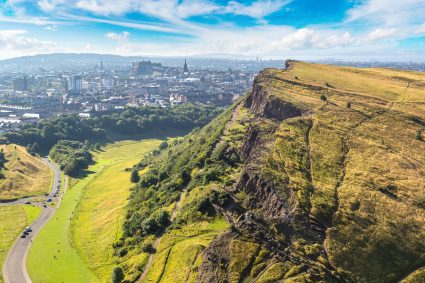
14, 268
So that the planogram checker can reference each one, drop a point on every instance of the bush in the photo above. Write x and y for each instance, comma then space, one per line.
163, 145
323, 97
2, 159
418, 135
148, 248
348, 104
117, 275
134, 178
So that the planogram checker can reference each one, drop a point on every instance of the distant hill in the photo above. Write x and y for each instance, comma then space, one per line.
79, 62
319, 173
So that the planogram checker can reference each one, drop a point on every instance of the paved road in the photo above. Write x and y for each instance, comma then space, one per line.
14, 269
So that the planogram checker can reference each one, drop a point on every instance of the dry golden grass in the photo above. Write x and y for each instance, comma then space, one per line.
365, 167
25, 175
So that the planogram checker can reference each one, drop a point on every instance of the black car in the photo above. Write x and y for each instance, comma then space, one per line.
27, 202
23, 236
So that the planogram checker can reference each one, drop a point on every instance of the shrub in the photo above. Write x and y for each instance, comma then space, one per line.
348, 105
148, 248
418, 134
117, 275
134, 178
163, 145
323, 97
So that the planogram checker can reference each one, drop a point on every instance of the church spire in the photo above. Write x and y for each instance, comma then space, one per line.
185, 68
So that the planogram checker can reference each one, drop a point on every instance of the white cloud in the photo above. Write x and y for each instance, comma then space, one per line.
50, 5
120, 37
17, 43
379, 34
420, 30
388, 12
258, 9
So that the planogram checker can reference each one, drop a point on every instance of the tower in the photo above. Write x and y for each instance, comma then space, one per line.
185, 69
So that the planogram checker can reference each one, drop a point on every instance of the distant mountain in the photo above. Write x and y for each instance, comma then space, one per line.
78, 62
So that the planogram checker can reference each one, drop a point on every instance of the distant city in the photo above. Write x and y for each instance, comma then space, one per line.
27, 96
36, 87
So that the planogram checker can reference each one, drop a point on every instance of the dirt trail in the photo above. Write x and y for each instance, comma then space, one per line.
158, 240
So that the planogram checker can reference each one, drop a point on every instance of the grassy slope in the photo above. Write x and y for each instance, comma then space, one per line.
98, 220
13, 220
180, 250
353, 155
25, 175
58, 248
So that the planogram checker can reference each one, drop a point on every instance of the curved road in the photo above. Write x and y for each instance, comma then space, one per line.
14, 269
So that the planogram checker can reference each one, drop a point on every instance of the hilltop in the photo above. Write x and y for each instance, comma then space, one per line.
317, 174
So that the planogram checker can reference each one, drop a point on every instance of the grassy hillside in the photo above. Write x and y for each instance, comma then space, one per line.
13, 220
319, 172
81, 234
24, 175
100, 214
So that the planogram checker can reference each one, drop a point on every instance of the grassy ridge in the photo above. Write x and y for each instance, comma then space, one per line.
25, 175
100, 214
13, 220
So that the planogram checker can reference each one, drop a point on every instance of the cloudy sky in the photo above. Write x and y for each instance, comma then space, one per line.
303, 29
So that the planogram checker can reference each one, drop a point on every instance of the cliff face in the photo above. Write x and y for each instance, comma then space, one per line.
318, 172
320, 199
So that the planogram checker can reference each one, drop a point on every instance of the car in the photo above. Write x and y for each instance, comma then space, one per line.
49, 200
26, 233
23, 236
46, 194
55, 195
28, 229
44, 205
27, 202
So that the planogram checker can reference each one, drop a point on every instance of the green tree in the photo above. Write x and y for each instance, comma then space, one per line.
2, 159
163, 145
117, 275
323, 97
134, 178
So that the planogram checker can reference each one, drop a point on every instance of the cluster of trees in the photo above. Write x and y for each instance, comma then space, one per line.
72, 156
42, 136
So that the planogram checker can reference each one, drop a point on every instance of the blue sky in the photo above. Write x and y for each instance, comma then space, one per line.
302, 29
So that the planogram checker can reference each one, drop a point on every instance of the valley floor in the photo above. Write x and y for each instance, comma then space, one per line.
81, 234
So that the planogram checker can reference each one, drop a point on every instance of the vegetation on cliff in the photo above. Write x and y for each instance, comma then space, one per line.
318, 171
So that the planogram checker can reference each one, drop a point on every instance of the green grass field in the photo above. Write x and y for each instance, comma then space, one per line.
13, 220
76, 244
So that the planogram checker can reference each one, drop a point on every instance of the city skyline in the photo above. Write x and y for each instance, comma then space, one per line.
309, 30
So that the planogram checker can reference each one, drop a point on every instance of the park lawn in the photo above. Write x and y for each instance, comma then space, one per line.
100, 214
24, 175
58, 254
14, 218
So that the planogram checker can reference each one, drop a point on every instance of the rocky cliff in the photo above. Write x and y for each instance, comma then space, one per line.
319, 173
